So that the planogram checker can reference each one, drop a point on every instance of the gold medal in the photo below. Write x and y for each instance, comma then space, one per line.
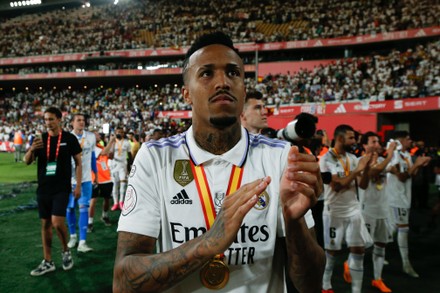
379, 186
215, 274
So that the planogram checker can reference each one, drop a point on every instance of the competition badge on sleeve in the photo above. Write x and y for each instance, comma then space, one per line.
215, 273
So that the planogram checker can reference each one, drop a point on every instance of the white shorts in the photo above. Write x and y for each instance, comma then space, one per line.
352, 230
379, 229
119, 173
399, 216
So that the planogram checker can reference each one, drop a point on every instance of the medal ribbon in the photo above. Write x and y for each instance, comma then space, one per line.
58, 146
119, 144
205, 192
345, 166
405, 159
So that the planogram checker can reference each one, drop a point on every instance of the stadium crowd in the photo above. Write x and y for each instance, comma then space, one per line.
123, 26
413, 73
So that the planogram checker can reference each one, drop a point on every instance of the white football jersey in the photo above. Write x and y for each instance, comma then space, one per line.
344, 203
162, 201
374, 202
121, 149
87, 141
399, 193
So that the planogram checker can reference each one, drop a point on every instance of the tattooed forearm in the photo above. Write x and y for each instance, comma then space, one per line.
305, 257
137, 269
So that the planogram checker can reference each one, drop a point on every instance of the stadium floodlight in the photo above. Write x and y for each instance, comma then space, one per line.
140, 67
116, 2
12, 4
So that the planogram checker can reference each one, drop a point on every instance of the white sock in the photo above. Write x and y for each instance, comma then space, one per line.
81, 242
122, 188
378, 260
356, 264
402, 241
90, 220
73, 236
115, 193
327, 278
105, 214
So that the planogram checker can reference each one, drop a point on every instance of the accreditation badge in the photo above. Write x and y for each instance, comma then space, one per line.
215, 274
51, 168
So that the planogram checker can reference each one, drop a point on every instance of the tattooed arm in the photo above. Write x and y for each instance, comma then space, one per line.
301, 186
138, 269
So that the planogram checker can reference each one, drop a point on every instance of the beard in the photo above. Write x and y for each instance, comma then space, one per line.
348, 148
223, 122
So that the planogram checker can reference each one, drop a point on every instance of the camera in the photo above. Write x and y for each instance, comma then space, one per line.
303, 127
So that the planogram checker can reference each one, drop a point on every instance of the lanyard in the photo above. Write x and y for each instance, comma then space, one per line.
205, 192
345, 166
58, 146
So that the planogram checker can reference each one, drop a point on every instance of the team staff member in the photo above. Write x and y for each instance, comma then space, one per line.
374, 203
262, 189
54, 152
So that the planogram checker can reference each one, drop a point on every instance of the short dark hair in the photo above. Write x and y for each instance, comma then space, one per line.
341, 130
400, 134
214, 38
55, 111
253, 94
367, 135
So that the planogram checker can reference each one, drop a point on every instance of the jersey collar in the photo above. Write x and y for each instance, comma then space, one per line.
237, 155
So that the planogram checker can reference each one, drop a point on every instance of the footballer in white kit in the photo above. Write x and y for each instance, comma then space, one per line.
87, 141
341, 205
400, 171
165, 195
121, 149
342, 217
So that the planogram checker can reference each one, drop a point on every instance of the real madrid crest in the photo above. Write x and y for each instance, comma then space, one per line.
263, 201
182, 172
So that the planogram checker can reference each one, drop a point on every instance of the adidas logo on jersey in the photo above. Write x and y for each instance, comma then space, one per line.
181, 198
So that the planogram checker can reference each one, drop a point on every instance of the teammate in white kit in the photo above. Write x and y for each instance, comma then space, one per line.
261, 188
374, 203
120, 148
342, 216
400, 170
87, 141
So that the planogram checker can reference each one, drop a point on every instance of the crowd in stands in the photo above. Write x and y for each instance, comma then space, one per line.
413, 73
39, 68
410, 74
126, 25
